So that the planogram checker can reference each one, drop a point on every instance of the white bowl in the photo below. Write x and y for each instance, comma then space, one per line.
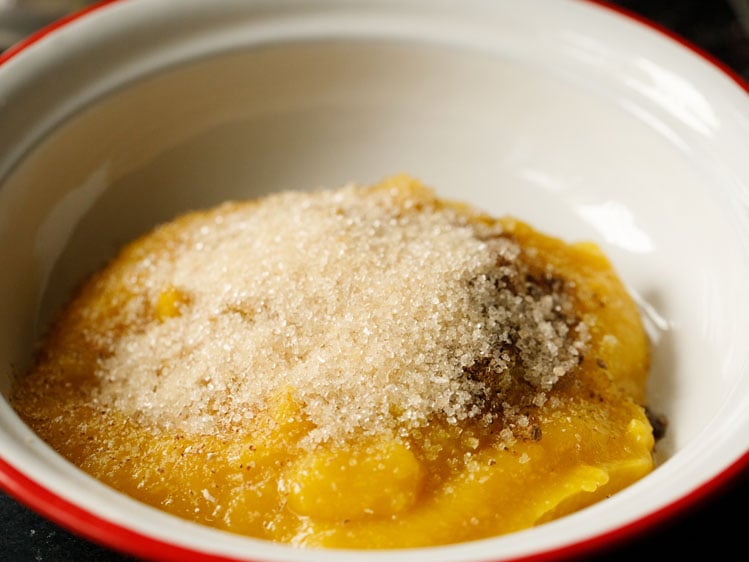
582, 122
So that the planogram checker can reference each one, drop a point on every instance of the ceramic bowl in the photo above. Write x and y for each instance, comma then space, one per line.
585, 123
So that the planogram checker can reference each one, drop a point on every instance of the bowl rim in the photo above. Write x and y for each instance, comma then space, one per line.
102, 531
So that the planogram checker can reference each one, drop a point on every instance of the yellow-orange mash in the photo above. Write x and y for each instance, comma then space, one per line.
365, 367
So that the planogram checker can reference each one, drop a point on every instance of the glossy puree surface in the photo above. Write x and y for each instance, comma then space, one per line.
440, 481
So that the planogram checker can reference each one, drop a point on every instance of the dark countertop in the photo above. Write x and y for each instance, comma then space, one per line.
716, 524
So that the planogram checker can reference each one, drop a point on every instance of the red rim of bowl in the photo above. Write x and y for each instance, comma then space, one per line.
118, 537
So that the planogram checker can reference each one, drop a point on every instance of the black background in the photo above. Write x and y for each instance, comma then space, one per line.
716, 525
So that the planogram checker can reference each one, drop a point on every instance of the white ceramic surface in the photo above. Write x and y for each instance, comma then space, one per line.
583, 123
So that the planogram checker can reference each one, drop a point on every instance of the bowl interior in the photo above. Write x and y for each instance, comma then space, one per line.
577, 149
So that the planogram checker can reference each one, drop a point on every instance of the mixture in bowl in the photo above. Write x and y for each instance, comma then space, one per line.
361, 367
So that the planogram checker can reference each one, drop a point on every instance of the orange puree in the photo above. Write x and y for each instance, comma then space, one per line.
389, 415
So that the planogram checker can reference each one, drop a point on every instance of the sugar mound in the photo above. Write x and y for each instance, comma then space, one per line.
375, 309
